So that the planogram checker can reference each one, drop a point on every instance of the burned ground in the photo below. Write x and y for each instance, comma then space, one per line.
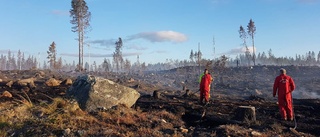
50, 113
209, 120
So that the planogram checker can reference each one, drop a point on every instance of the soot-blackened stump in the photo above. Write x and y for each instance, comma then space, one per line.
188, 92
156, 94
246, 114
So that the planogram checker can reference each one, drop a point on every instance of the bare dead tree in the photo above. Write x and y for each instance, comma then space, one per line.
243, 36
251, 32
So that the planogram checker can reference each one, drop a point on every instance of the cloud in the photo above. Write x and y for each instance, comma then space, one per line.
101, 48
159, 52
69, 54
131, 54
107, 43
135, 47
95, 55
160, 36
60, 12
308, 1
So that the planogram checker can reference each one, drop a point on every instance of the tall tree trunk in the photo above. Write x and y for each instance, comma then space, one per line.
254, 54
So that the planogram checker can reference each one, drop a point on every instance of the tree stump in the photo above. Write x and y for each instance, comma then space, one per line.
156, 94
187, 94
246, 114
184, 87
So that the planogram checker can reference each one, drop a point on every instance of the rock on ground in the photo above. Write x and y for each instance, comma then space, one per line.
94, 93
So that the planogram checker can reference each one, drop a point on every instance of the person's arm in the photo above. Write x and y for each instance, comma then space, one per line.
275, 87
200, 78
292, 85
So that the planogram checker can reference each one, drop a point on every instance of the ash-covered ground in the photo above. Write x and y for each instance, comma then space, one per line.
174, 113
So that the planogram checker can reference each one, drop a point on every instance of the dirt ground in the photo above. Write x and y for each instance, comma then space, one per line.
45, 111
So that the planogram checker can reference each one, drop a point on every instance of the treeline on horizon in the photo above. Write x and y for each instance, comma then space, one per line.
21, 62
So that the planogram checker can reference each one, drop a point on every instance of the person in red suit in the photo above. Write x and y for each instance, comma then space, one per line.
284, 86
205, 87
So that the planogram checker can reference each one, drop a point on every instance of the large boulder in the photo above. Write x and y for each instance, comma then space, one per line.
94, 93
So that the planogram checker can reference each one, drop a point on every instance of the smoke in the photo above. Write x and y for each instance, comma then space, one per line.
238, 50
302, 93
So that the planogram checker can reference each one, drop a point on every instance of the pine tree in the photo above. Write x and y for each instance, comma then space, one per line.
19, 59
117, 55
191, 56
52, 55
81, 20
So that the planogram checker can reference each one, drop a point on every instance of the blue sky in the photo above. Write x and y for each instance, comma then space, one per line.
157, 30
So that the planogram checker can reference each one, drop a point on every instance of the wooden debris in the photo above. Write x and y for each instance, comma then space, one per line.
6, 94
131, 80
67, 82
52, 82
9, 84
26, 82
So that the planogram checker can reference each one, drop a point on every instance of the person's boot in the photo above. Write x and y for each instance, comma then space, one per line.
206, 103
291, 119
201, 102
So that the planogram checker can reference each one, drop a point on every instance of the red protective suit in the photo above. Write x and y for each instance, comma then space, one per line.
205, 87
284, 85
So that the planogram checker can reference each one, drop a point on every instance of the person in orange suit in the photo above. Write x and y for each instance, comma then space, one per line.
205, 87
284, 86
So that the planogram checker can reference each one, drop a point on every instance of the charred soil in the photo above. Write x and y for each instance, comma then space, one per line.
46, 111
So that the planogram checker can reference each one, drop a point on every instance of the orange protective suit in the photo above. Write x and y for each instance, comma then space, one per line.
205, 87
284, 85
